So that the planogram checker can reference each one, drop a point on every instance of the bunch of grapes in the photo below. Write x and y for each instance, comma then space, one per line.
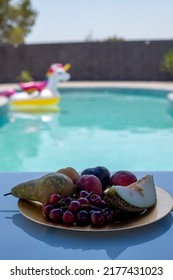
82, 209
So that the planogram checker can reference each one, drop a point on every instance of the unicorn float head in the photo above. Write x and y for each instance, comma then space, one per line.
55, 74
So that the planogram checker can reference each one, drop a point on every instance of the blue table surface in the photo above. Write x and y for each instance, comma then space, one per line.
22, 239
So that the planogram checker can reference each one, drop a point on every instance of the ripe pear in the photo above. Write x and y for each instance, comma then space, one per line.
42, 188
70, 172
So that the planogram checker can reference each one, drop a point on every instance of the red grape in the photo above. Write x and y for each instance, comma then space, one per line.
83, 217
97, 218
83, 201
95, 199
83, 208
68, 217
74, 205
107, 213
56, 214
54, 198
46, 210
83, 193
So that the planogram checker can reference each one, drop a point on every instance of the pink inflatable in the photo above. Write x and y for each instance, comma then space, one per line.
32, 86
8, 92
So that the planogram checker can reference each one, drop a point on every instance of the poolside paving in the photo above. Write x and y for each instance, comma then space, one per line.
119, 84
111, 84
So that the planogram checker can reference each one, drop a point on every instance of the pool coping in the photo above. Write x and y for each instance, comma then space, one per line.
107, 84
117, 84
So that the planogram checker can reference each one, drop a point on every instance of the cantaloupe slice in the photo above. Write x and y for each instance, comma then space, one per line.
135, 197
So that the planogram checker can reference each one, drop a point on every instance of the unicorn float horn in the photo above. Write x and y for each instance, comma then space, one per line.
67, 66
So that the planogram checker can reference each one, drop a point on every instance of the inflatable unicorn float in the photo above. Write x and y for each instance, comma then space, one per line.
40, 96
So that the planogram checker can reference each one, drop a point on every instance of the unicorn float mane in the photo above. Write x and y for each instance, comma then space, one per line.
51, 70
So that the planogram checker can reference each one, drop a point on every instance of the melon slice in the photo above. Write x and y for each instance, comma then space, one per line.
133, 198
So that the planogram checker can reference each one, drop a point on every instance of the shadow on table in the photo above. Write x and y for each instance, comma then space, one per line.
114, 243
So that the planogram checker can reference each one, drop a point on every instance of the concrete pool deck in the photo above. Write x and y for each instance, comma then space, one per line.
118, 84
102, 84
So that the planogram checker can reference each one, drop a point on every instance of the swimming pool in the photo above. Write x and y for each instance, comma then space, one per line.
118, 128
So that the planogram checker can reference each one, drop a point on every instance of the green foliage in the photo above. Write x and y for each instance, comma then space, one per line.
167, 62
16, 20
113, 39
24, 76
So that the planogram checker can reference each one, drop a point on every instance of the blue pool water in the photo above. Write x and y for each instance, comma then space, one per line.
117, 128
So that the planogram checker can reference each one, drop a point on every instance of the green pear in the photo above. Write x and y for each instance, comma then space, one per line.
42, 188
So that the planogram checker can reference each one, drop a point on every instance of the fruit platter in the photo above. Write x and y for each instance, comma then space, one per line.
93, 200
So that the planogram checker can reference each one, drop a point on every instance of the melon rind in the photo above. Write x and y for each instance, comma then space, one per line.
135, 197
115, 201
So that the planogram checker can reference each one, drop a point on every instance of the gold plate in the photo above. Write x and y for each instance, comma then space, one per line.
32, 211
